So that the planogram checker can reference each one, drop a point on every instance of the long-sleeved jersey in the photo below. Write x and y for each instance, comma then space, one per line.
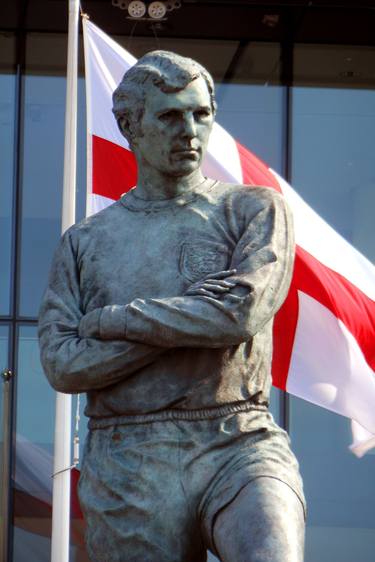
115, 321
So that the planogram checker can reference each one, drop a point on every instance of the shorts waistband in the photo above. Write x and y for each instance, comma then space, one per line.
174, 414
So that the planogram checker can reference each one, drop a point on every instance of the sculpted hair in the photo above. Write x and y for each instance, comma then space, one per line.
165, 70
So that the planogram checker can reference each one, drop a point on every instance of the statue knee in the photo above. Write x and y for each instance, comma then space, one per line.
264, 523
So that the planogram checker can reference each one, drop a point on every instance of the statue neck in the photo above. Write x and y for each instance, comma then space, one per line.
153, 185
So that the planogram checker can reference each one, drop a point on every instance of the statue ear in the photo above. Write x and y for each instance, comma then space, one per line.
123, 125
126, 128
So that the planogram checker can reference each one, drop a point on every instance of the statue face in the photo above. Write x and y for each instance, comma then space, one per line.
175, 129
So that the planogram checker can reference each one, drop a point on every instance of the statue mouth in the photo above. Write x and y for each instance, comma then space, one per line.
187, 152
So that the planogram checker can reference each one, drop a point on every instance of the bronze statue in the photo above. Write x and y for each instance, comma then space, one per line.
160, 308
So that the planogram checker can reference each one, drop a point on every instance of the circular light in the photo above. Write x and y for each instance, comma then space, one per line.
137, 9
157, 10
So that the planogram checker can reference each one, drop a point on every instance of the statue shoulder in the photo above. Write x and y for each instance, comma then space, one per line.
93, 227
242, 194
98, 220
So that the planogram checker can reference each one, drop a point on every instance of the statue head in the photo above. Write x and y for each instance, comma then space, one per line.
164, 70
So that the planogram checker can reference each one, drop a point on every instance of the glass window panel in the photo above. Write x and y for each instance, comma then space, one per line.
7, 114
42, 184
35, 398
34, 450
333, 168
252, 114
344, 66
339, 487
333, 159
43, 169
34, 458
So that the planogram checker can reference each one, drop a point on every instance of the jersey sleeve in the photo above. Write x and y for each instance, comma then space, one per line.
73, 362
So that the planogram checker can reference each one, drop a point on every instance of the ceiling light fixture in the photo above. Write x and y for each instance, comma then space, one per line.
146, 10
157, 10
137, 9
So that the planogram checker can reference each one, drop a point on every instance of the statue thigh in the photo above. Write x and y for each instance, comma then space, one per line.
264, 523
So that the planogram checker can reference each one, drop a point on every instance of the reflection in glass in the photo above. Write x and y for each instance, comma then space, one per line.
34, 465
34, 458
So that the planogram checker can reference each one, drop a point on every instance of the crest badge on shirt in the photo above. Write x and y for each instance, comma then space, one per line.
200, 257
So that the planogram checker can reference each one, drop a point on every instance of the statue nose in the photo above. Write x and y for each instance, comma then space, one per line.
190, 129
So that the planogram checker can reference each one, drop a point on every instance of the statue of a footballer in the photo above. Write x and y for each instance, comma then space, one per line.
160, 308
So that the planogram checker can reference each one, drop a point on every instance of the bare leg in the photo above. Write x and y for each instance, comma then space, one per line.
264, 523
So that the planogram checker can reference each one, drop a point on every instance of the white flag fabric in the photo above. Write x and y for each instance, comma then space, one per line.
324, 334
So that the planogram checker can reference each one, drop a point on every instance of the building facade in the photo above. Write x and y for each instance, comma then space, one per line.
296, 85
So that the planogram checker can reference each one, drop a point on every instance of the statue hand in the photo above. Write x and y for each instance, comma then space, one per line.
213, 285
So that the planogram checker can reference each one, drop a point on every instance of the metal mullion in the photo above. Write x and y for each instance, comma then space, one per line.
15, 285
6, 402
20, 319
287, 50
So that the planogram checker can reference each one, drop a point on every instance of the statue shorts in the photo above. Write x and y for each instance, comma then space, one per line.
151, 488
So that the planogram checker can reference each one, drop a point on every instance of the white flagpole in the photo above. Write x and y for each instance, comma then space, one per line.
62, 457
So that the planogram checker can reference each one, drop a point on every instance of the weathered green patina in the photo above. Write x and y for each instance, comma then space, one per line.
161, 307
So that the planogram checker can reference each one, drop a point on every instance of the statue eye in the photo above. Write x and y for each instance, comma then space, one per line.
169, 115
202, 113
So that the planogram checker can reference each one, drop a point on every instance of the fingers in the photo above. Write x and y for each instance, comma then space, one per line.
201, 291
218, 284
214, 285
221, 274
234, 298
210, 285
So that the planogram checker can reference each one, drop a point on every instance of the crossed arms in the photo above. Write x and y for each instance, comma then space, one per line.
81, 352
